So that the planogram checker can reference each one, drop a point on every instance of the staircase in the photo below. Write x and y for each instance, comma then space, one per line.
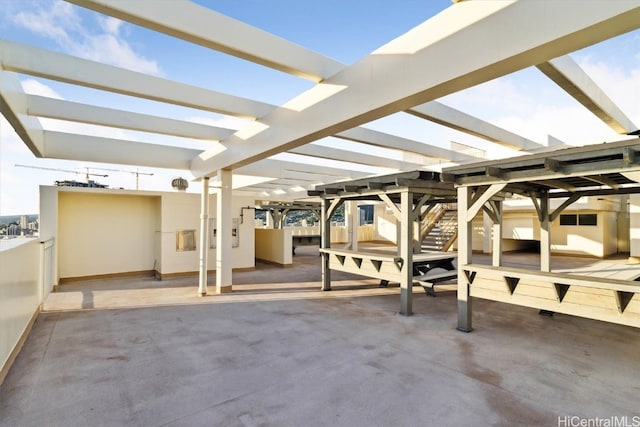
440, 229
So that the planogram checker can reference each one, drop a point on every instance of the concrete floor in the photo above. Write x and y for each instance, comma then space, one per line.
277, 352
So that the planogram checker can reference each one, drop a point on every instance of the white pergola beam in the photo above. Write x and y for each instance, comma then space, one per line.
52, 108
38, 62
197, 24
330, 153
456, 119
567, 74
273, 168
382, 139
13, 105
60, 145
393, 78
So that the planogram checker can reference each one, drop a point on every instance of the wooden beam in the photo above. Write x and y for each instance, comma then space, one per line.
494, 171
552, 165
574, 198
391, 205
480, 201
557, 184
603, 180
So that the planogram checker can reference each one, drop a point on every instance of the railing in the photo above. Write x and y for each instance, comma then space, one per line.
371, 264
431, 219
607, 299
448, 227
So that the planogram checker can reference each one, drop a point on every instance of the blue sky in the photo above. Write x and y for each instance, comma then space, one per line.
525, 102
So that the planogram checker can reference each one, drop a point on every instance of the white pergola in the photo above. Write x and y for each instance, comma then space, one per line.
506, 36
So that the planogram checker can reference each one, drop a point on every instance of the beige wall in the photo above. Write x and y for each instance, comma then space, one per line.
49, 227
274, 245
366, 232
106, 231
181, 211
634, 225
101, 233
597, 241
20, 293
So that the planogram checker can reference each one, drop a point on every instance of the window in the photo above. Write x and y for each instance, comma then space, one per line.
185, 240
588, 219
581, 219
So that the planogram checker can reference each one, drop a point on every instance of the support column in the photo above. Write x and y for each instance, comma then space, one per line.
204, 237
496, 235
325, 243
416, 241
224, 237
634, 228
545, 235
405, 245
352, 221
487, 228
465, 239
270, 222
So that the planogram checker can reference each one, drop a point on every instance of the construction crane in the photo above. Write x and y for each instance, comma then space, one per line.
136, 172
73, 183
87, 174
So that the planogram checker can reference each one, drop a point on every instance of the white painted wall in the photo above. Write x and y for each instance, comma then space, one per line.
101, 233
384, 224
49, 227
108, 231
634, 225
274, 245
366, 232
181, 211
19, 292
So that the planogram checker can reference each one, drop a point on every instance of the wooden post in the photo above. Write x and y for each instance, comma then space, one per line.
325, 243
352, 221
545, 236
464, 257
405, 244
496, 234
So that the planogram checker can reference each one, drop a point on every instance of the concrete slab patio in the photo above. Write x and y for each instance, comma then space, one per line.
278, 352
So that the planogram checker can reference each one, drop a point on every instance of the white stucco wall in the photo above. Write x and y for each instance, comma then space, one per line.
634, 225
598, 241
19, 292
274, 245
101, 233
49, 227
108, 231
181, 211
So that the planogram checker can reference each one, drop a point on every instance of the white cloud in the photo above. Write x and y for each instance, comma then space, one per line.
61, 22
110, 24
111, 49
622, 85
55, 22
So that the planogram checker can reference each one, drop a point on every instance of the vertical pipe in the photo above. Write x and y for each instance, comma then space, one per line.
204, 236
464, 257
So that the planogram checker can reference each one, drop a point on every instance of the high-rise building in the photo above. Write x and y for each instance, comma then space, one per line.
24, 222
